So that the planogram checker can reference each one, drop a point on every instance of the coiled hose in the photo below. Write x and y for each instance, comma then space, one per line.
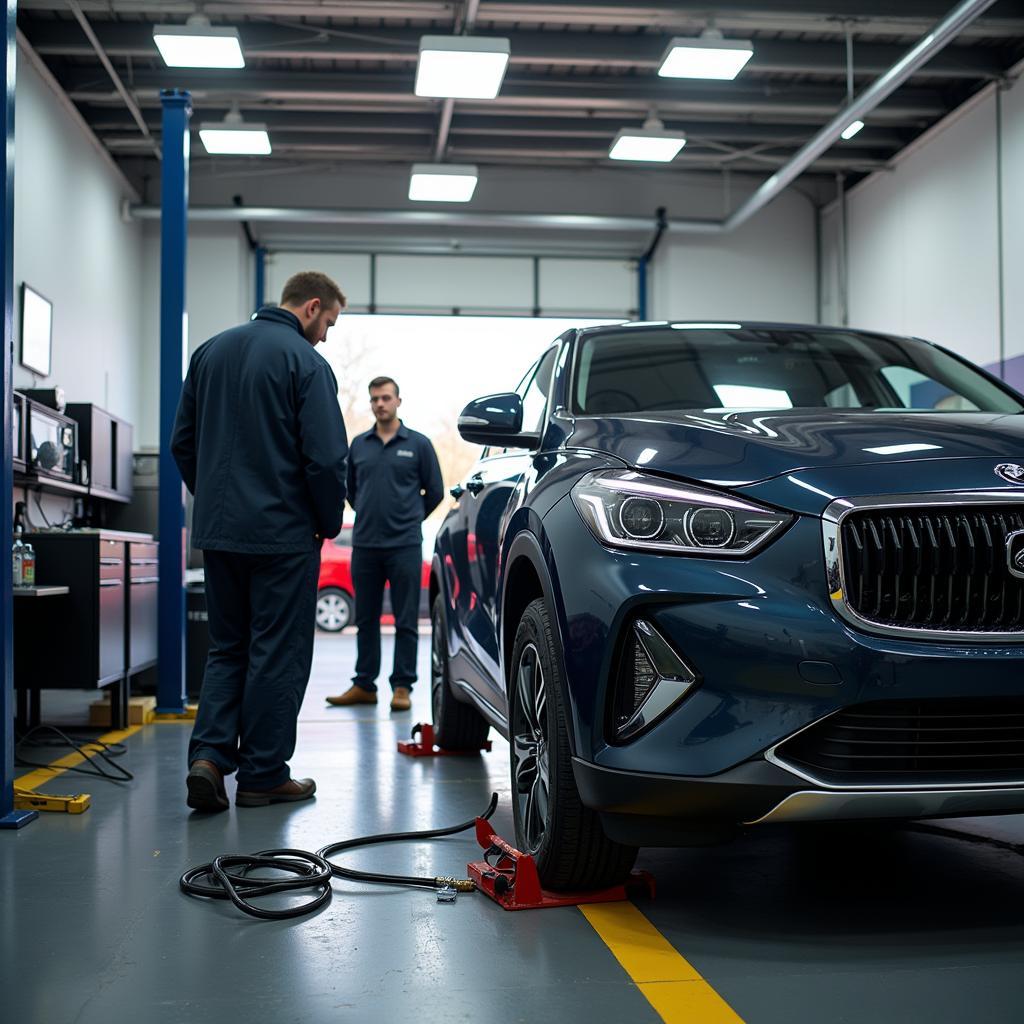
228, 877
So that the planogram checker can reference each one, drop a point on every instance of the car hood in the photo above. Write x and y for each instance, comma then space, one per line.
738, 449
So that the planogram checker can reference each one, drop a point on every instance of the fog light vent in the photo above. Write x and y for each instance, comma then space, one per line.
651, 680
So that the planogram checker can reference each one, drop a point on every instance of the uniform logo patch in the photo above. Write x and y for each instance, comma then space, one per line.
406, 453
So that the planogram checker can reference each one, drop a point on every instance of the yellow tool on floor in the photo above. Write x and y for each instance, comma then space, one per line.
26, 800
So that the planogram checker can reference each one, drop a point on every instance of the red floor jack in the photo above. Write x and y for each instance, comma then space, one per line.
510, 878
426, 747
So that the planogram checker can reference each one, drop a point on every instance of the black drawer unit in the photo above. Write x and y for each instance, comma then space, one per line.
105, 445
143, 562
81, 644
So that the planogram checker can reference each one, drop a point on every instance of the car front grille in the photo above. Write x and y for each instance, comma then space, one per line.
933, 568
903, 741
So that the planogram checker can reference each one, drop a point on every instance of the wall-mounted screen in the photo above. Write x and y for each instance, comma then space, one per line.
36, 330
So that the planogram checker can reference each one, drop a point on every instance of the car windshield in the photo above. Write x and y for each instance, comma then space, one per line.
723, 367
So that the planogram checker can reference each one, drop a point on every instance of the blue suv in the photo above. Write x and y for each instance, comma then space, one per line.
710, 575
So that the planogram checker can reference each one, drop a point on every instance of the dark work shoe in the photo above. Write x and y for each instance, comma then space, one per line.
206, 787
292, 791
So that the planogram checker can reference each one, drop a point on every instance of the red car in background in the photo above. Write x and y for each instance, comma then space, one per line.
335, 600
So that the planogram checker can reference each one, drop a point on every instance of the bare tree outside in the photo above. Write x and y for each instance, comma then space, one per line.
441, 364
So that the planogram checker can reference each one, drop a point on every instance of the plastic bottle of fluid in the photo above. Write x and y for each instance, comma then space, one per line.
28, 566
18, 553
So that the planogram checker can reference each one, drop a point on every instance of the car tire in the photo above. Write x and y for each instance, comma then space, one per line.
457, 725
335, 609
564, 837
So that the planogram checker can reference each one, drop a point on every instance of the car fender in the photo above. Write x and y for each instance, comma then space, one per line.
526, 540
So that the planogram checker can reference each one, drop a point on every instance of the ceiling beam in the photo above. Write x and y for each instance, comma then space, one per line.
635, 96
905, 19
557, 49
285, 122
486, 152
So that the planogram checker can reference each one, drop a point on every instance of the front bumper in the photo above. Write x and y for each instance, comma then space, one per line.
771, 656
662, 810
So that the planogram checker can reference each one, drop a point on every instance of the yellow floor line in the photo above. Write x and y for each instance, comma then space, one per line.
667, 980
36, 778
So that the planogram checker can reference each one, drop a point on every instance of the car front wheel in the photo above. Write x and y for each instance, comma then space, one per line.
334, 609
564, 837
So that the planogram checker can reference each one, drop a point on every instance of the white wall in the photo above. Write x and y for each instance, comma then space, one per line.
1012, 124
71, 244
764, 270
219, 293
924, 237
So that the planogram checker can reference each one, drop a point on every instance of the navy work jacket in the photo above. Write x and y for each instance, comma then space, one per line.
260, 441
393, 487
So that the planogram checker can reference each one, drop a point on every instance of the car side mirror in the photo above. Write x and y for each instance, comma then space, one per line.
496, 420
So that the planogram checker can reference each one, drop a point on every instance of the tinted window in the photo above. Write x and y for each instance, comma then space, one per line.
682, 368
535, 396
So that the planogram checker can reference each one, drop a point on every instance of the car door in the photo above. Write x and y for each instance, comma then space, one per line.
488, 502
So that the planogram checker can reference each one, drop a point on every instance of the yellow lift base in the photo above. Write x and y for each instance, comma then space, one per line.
26, 800
188, 715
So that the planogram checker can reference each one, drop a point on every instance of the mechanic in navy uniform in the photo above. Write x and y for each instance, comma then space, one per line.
394, 483
260, 441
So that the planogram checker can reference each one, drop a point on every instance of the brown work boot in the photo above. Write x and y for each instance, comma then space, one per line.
205, 784
401, 701
353, 695
287, 793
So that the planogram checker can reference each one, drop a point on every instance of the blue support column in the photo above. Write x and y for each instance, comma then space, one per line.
9, 817
177, 109
261, 275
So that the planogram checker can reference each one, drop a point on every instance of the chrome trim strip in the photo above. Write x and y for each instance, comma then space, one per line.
812, 805
496, 718
831, 531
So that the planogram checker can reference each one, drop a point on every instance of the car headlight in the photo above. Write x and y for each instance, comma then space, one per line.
632, 510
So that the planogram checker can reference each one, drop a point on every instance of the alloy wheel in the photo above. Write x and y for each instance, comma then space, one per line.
531, 768
332, 612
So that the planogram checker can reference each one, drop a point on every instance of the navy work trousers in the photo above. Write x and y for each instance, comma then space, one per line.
402, 568
262, 612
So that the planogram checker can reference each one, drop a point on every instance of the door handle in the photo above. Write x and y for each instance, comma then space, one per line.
457, 491
474, 484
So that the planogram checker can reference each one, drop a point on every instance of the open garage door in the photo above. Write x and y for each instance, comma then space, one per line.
598, 288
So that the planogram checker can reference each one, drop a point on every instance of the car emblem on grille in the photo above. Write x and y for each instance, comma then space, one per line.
1015, 553
1010, 472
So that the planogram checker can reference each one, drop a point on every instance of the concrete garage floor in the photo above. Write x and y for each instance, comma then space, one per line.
787, 927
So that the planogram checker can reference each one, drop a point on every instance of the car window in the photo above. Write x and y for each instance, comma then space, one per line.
682, 367
918, 391
535, 396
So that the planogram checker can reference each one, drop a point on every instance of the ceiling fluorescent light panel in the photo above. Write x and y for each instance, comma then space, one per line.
234, 137
461, 67
652, 143
198, 44
442, 183
707, 56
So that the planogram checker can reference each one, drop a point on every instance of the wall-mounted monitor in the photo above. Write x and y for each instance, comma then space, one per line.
36, 331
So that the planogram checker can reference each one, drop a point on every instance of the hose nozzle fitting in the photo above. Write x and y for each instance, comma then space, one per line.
458, 884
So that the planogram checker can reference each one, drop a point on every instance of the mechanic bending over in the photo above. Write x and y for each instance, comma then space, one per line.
394, 483
260, 441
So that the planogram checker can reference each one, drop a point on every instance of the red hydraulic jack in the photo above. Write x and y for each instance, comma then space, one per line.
510, 878
426, 747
